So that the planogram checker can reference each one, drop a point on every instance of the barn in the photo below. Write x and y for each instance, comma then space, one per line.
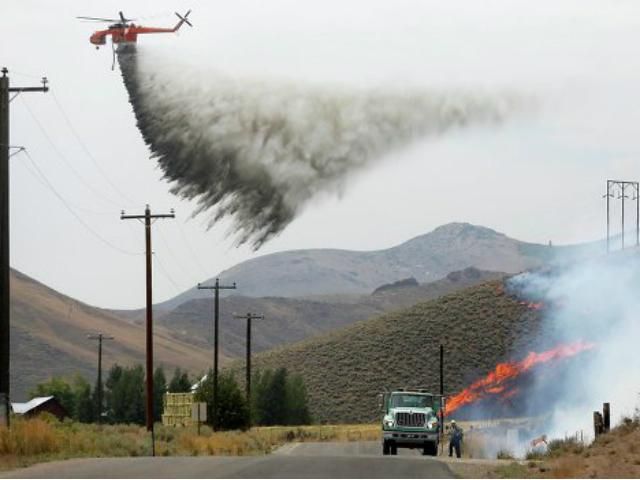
38, 405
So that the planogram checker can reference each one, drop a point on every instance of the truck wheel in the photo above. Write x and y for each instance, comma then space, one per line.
394, 449
385, 448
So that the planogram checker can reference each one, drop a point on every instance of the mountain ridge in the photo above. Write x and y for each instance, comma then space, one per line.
427, 257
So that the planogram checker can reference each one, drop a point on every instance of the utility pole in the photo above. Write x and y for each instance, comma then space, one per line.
216, 315
442, 395
5, 322
100, 337
147, 217
249, 317
622, 186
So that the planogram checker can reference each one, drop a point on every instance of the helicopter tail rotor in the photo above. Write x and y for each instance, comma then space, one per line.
183, 19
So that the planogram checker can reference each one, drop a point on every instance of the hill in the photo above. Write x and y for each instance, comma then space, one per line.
426, 258
49, 337
344, 370
289, 320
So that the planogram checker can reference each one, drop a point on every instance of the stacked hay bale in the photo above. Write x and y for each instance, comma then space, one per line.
177, 409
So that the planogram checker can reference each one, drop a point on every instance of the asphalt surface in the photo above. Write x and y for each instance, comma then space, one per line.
304, 460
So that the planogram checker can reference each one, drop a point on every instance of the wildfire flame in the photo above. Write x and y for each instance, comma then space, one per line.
533, 305
496, 382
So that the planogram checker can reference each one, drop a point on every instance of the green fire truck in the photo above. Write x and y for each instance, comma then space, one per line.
410, 420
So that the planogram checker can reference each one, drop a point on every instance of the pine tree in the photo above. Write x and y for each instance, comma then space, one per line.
233, 411
180, 382
125, 394
159, 389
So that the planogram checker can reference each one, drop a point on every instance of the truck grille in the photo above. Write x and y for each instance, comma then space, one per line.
410, 419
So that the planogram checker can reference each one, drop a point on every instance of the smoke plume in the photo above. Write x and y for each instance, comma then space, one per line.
595, 300
259, 150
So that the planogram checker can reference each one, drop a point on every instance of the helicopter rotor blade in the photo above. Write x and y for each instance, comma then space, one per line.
96, 19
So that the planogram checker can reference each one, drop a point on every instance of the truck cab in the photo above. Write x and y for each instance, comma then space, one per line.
410, 420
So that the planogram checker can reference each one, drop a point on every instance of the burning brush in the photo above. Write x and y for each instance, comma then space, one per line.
499, 382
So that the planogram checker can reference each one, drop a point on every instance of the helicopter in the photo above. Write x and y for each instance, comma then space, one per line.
124, 31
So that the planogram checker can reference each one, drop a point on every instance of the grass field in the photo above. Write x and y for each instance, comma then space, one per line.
37, 440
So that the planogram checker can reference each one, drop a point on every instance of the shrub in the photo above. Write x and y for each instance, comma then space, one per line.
504, 454
29, 437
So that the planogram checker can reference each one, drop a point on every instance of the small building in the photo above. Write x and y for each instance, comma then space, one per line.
38, 405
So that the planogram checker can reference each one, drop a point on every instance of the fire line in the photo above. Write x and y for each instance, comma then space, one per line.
496, 381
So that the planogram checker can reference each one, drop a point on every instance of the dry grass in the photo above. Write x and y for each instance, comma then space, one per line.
614, 455
36, 440
264, 439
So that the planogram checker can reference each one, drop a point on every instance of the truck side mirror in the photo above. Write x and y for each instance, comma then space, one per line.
380, 401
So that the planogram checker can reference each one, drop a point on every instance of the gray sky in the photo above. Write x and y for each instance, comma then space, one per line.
539, 177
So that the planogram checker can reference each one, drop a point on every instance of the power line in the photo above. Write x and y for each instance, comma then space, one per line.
194, 257
42, 182
64, 159
175, 257
68, 207
88, 152
165, 273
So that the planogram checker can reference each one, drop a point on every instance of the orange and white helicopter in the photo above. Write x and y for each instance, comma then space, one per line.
124, 31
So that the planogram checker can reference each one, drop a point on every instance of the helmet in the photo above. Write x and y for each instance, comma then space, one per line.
453, 422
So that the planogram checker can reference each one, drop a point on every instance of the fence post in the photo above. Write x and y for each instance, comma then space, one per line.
606, 413
597, 423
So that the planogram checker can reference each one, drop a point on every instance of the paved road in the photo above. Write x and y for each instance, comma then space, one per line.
307, 460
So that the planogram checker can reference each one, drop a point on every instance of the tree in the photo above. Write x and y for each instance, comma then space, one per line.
297, 404
279, 399
272, 401
233, 411
84, 407
180, 382
159, 389
125, 394
74, 396
59, 388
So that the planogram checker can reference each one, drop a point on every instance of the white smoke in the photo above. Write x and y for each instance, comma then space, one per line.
259, 150
598, 301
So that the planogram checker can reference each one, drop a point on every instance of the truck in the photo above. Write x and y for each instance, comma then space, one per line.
410, 420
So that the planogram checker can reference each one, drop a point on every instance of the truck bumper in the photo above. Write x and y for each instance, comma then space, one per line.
410, 438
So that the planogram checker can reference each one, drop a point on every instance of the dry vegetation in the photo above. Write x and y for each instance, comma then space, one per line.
346, 369
613, 455
44, 439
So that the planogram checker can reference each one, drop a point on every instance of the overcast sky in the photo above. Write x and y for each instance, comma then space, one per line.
539, 177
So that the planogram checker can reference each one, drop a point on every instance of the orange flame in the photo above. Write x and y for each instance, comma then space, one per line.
532, 305
494, 383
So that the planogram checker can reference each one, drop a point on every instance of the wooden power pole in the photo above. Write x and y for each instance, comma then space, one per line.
216, 316
5, 323
249, 317
147, 217
99, 388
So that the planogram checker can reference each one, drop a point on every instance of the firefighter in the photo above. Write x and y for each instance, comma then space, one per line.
455, 439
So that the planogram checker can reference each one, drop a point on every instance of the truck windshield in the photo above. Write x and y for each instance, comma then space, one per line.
410, 401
